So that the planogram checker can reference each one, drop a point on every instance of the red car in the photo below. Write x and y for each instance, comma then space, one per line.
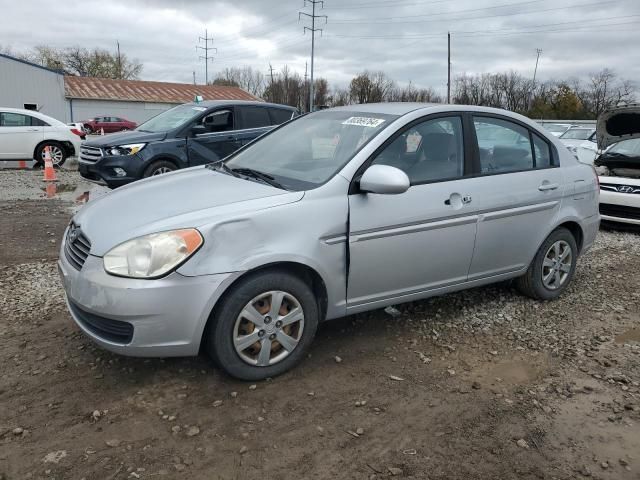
108, 124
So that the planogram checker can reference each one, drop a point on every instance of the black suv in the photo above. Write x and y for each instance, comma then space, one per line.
184, 136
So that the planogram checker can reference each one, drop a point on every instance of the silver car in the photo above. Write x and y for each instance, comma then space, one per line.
337, 212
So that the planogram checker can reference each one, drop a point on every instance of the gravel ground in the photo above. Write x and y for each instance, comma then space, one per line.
475, 385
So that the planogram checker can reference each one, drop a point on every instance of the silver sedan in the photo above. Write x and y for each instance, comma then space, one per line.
337, 212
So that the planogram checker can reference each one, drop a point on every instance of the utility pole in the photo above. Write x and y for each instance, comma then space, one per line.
119, 60
448, 67
535, 71
206, 39
313, 30
306, 85
194, 77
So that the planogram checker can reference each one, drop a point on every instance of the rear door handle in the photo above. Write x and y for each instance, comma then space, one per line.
548, 186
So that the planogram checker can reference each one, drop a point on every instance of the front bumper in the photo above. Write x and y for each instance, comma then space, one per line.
142, 318
102, 171
620, 207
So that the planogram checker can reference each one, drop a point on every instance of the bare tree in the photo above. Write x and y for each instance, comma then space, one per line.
244, 77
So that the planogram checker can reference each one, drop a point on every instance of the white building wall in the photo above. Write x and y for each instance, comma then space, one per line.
135, 111
22, 83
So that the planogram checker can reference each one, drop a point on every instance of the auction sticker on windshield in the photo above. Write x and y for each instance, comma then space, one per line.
364, 121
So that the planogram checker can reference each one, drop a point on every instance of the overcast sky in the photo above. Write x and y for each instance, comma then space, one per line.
576, 36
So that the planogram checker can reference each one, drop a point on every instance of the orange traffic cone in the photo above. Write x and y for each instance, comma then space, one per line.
102, 131
22, 164
49, 172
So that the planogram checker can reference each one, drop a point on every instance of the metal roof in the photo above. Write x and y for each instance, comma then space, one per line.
31, 64
90, 88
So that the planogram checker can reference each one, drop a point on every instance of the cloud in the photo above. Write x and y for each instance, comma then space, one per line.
405, 38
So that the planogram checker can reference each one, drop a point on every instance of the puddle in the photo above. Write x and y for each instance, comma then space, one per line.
631, 335
60, 187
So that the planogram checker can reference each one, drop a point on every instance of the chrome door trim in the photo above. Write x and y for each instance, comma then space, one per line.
414, 227
520, 210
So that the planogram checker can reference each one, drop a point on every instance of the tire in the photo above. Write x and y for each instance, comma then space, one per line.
59, 154
229, 325
158, 168
88, 130
532, 283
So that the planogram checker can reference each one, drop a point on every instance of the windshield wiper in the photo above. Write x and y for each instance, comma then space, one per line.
221, 166
265, 177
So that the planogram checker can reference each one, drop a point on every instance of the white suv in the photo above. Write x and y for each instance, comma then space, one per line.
25, 133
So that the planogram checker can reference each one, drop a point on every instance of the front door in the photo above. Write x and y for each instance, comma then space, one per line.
217, 141
517, 193
401, 246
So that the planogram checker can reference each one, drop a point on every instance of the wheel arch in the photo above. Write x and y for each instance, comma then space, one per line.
63, 143
576, 230
299, 269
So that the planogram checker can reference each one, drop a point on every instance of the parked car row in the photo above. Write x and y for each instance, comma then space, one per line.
335, 212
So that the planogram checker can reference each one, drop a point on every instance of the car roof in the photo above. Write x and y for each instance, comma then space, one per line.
231, 103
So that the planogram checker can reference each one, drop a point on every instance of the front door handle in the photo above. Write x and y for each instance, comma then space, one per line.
548, 186
458, 200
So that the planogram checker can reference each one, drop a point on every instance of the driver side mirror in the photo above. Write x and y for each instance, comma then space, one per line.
385, 180
198, 130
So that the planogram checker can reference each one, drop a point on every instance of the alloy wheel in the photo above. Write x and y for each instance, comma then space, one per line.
269, 328
556, 265
161, 170
57, 155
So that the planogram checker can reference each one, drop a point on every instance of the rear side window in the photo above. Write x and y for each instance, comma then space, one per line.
280, 115
254, 117
542, 152
504, 146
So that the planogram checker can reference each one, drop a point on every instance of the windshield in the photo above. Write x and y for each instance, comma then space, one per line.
554, 127
577, 134
307, 152
171, 119
630, 148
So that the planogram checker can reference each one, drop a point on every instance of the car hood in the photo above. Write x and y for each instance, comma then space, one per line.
617, 124
124, 138
188, 198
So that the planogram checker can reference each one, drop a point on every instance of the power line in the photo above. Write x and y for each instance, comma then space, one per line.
313, 31
206, 56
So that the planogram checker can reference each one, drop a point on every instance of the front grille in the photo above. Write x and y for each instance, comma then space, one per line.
76, 247
621, 211
610, 187
105, 328
90, 154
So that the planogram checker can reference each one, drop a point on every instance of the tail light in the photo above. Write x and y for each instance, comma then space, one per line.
75, 131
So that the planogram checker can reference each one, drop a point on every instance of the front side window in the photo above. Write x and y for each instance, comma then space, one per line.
254, 117
504, 146
427, 152
9, 119
311, 149
219, 121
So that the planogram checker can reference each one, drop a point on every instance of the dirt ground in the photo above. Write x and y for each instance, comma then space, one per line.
483, 384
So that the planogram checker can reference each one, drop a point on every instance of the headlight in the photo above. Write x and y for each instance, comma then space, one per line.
130, 149
152, 256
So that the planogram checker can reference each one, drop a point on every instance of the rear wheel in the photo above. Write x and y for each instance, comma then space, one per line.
552, 268
159, 168
56, 150
264, 326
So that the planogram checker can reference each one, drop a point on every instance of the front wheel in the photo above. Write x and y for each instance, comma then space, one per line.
264, 326
56, 150
552, 268
159, 168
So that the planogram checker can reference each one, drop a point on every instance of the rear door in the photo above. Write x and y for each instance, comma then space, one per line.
517, 191
19, 135
252, 121
218, 141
